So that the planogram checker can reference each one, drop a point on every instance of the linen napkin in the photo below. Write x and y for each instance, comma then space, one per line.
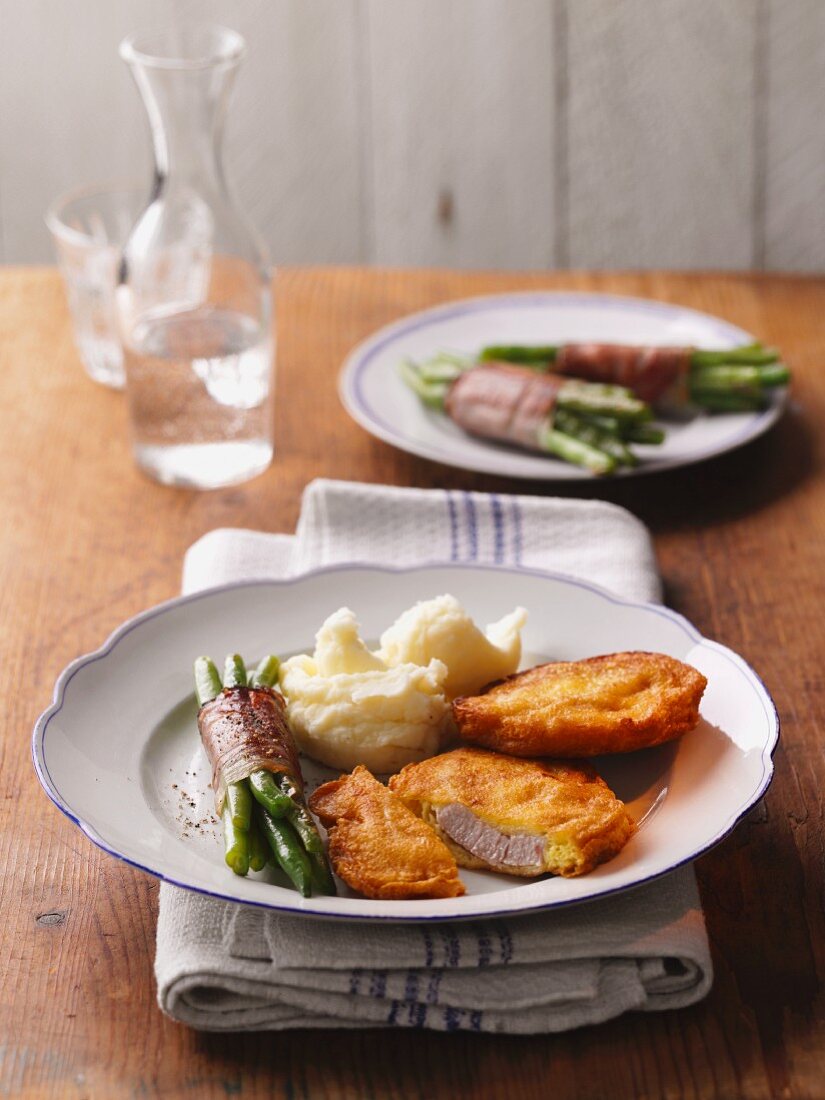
222, 966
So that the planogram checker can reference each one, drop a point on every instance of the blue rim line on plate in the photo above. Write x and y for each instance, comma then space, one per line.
42, 725
351, 379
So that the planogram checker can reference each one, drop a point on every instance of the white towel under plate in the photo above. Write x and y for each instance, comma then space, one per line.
223, 966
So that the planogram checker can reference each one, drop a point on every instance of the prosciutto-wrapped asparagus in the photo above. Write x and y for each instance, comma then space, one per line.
503, 402
590, 425
256, 776
719, 381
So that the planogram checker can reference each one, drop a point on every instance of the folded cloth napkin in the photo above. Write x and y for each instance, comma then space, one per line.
222, 966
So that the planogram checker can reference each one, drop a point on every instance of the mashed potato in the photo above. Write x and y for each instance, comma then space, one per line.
441, 629
346, 707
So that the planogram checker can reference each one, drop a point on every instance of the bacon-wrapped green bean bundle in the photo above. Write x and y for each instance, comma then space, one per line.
244, 730
256, 775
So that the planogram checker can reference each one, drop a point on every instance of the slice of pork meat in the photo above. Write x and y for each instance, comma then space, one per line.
488, 843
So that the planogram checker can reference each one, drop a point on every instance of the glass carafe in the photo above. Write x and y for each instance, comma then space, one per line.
194, 296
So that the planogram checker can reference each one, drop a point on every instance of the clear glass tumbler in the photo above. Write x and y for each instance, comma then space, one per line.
89, 228
194, 297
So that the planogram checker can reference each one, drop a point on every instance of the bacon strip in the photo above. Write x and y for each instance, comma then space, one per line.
649, 372
504, 402
245, 729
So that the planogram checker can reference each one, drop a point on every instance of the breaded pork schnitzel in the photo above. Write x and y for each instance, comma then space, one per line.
521, 817
616, 703
378, 846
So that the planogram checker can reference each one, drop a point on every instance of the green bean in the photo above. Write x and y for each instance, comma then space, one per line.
267, 793
266, 674
573, 450
234, 672
286, 848
258, 849
305, 828
304, 825
300, 816
520, 353
322, 880
235, 842
239, 801
207, 681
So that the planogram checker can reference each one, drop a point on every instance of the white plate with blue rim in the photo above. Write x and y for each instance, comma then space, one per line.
375, 396
118, 750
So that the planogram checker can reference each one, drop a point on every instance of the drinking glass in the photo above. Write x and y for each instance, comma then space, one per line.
89, 228
198, 352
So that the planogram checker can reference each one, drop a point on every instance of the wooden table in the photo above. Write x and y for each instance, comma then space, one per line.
86, 542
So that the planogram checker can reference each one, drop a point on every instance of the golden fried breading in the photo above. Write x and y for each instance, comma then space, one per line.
616, 703
521, 817
377, 846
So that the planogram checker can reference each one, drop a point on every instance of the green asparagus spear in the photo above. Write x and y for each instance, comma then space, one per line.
730, 377
644, 433
266, 674
207, 681
431, 393
520, 353
236, 843
610, 425
774, 374
258, 849
456, 358
267, 793
727, 402
239, 801
234, 672
598, 399
287, 850
573, 450
751, 354
752, 397
438, 371
586, 431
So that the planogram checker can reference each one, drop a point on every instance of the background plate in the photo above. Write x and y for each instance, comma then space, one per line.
118, 751
374, 395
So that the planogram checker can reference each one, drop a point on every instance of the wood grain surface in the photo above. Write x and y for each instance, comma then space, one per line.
85, 541
670, 68
472, 133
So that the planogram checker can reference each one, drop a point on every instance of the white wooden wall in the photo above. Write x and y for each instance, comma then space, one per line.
477, 133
